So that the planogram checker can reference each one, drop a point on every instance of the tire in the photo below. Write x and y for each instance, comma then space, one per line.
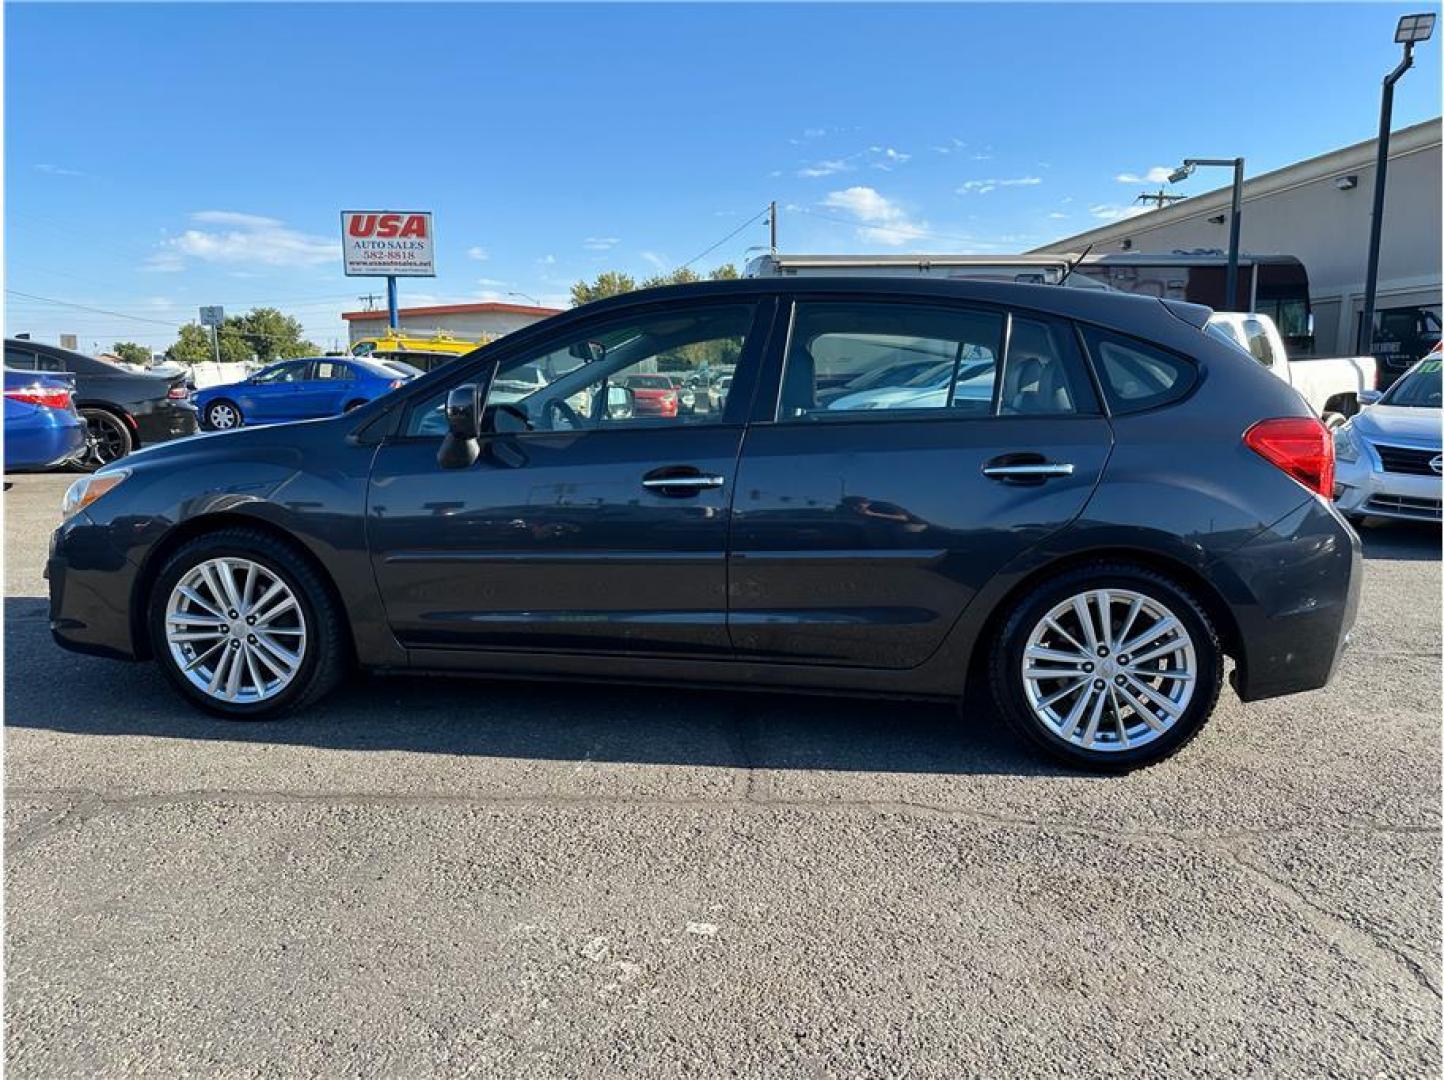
321, 646
107, 439
224, 415
1334, 420
1123, 711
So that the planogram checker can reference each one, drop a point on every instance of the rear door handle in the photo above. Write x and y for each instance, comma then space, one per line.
1040, 470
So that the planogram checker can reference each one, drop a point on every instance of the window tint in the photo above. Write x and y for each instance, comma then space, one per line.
20, 360
1258, 342
1136, 376
45, 362
848, 358
648, 371
1042, 376
330, 369
282, 373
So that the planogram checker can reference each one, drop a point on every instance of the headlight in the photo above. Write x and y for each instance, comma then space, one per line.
1346, 444
89, 488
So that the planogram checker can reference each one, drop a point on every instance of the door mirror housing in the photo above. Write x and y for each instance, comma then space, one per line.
1370, 397
464, 411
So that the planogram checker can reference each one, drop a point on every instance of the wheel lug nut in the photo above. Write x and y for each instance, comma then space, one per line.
1123, 659
235, 644
1098, 684
233, 613
252, 639
1120, 680
1088, 668
1102, 650
250, 620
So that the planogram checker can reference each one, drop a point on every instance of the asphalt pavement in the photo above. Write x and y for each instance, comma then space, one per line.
453, 877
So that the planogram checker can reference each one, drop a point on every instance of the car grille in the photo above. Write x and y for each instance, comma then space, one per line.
1424, 509
1407, 459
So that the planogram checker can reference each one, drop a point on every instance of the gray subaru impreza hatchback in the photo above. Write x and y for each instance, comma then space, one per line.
874, 486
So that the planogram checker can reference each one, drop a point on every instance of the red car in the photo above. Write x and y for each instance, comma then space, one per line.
652, 395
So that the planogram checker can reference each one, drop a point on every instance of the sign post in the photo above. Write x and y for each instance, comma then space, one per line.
214, 317
389, 244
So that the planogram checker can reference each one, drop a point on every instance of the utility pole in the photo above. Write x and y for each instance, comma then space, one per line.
772, 224
1159, 198
369, 300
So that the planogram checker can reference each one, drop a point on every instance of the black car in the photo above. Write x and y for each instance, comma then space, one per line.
1099, 506
123, 409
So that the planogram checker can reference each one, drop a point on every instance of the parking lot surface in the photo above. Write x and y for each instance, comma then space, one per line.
430, 877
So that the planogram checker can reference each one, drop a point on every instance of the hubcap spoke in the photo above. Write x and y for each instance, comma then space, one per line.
225, 622
1097, 687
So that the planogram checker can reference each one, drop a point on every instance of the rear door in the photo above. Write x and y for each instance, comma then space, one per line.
870, 506
328, 387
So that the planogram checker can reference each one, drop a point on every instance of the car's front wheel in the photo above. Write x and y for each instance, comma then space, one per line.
223, 416
244, 627
1108, 666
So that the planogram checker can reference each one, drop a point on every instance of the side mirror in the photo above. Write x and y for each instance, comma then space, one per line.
1370, 397
464, 405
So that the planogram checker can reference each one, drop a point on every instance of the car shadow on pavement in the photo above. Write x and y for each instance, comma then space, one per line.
1407, 540
48, 688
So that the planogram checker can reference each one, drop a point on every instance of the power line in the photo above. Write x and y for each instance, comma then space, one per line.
724, 240
140, 318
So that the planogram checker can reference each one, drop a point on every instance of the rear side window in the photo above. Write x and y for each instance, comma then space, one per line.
1136, 376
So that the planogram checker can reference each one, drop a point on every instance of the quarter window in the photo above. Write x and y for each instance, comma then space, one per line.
1136, 376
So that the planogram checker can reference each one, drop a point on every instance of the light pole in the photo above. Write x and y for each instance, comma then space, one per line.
1183, 172
526, 296
1411, 30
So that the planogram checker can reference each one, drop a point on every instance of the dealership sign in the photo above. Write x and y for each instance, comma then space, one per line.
387, 243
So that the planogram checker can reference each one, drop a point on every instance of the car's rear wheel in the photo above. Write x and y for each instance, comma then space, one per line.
244, 627
107, 439
223, 415
1108, 667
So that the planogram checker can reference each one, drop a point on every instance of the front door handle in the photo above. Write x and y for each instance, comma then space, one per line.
680, 480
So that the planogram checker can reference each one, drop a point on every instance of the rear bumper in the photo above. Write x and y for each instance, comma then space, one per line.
1295, 593
90, 585
165, 421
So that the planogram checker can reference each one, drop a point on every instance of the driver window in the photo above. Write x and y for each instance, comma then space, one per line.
665, 368
282, 373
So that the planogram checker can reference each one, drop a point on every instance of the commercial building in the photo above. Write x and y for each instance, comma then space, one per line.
465, 322
1319, 211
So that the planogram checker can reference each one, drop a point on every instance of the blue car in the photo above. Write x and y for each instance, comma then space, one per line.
42, 427
296, 390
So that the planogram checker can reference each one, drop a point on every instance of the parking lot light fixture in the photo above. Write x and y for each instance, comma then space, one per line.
1412, 30
1183, 172
526, 296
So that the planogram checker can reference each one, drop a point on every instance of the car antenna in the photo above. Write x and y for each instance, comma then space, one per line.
1074, 264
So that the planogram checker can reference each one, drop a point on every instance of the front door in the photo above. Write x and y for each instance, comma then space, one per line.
588, 526
914, 450
270, 395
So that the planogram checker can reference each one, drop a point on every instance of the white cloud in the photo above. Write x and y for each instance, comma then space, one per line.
243, 238
600, 243
886, 157
56, 170
659, 261
953, 144
982, 187
548, 260
1112, 212
1156, 175
480, 254
491, 282
1057, 216
824, 168
880, 220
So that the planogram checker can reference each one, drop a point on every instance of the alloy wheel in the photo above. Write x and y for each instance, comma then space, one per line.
105, 440
235, 630
1109, 670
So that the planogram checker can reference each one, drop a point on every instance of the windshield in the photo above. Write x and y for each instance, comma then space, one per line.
1418, 389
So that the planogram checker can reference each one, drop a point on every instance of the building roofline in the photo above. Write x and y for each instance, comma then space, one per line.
489, 307
1359, 155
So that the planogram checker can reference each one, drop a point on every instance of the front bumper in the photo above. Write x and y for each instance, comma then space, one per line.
1294, 593
1363, 489
90, 591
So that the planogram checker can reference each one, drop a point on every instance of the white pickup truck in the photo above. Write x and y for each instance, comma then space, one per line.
1330, 384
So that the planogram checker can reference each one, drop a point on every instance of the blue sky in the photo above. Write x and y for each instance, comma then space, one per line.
162, 157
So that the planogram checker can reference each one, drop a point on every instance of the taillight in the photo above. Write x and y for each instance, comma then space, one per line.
396, 384
1299, 445
48, 397
177, 393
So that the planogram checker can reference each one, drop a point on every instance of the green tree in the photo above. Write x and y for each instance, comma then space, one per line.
131, 353
193, 346
608, 283
267, 333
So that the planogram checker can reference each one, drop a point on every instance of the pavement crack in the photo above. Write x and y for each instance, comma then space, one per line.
81, 807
